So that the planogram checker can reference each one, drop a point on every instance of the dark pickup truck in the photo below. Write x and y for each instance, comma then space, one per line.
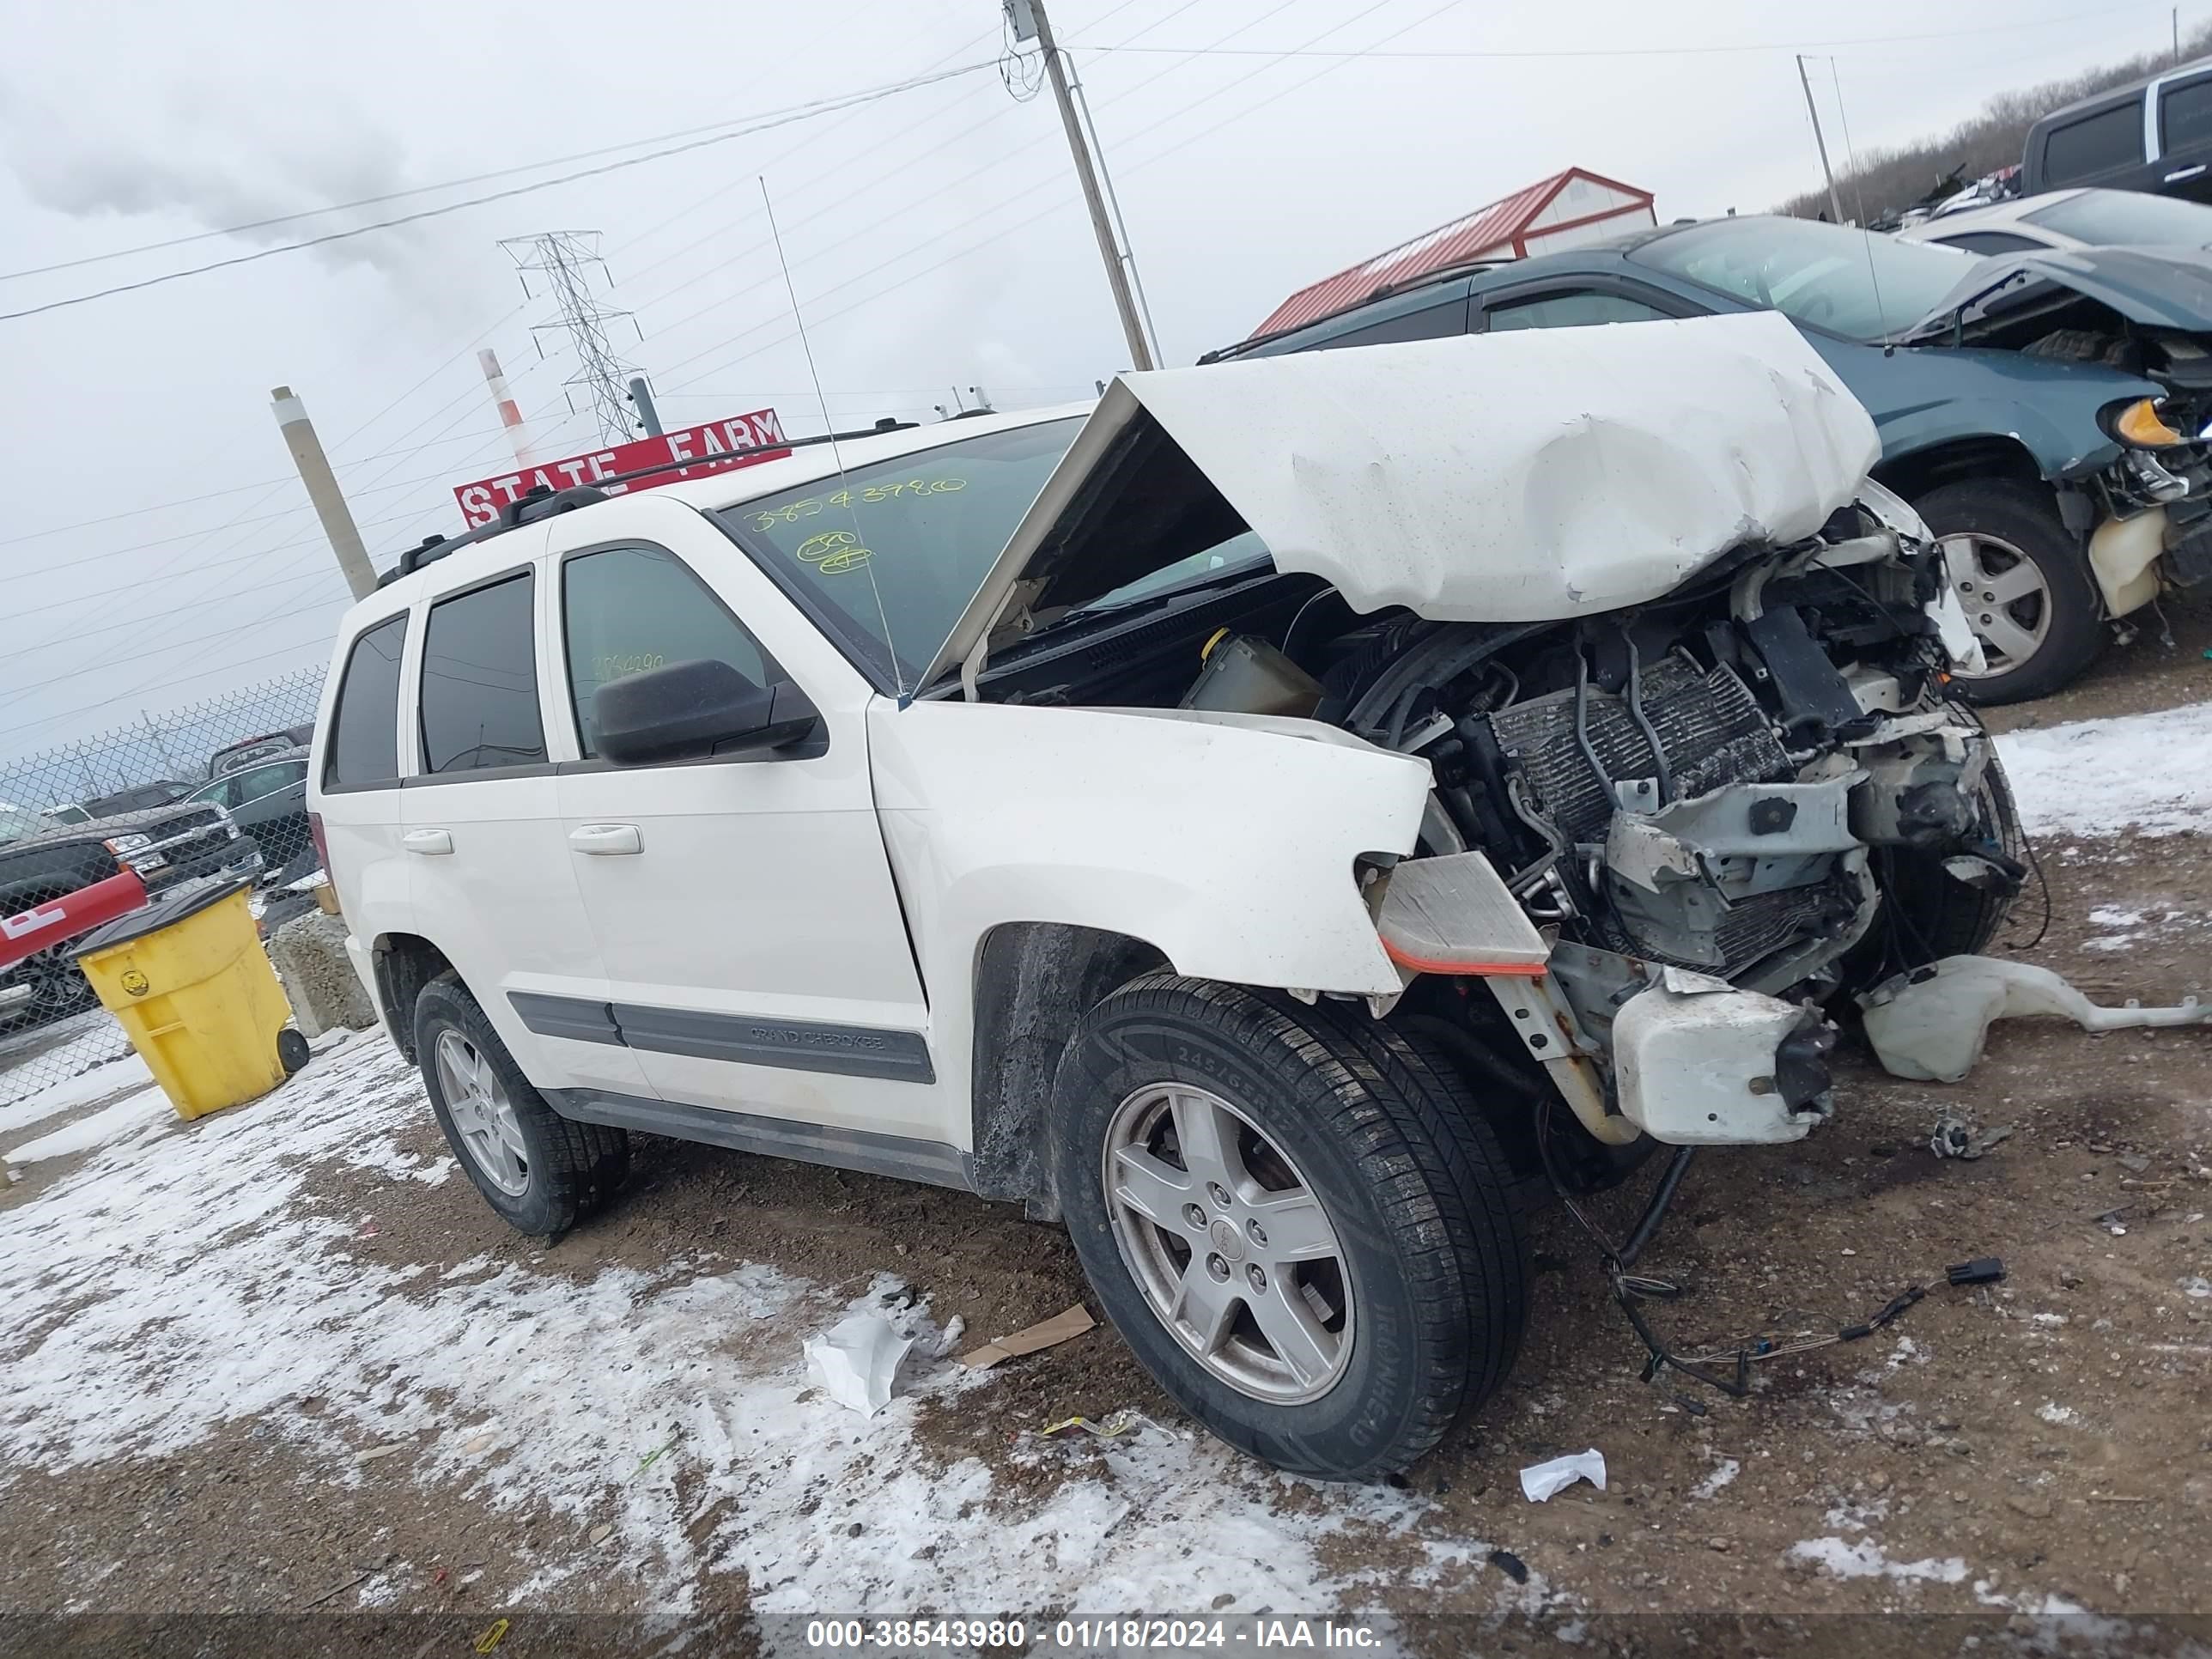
39, 860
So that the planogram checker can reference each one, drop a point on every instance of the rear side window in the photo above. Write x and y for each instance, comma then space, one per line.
1987, 242
365, 728
1574, 310
1430, 323
630, 608
2184, 117
2094, 146
480, 681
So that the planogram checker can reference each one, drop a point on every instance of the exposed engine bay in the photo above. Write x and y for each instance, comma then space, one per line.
1718, 811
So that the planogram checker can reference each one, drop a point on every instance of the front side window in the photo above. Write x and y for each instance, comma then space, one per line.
2184, 117
1575, 309
2094, 146
480, 681
890, 553
629, 609
1857, 283
223, 792
364, 746
264, 781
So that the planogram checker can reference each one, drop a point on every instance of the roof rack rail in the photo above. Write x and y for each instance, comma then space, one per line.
541, 502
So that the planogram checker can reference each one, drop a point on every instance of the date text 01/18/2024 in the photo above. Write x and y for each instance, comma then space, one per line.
1087, 1635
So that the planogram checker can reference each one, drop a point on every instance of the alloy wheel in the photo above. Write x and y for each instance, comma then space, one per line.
484, 1117
1229, 1243
2006, 599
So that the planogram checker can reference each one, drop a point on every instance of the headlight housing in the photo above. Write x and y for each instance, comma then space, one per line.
121, 845
2141, 424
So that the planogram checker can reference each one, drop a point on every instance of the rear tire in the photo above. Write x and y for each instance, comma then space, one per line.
2046, 620
540, 1172
1390, 1298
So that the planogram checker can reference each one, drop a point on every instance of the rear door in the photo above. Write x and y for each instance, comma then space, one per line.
358, 792
755, 945
2105, 145
487, 862
2184, 131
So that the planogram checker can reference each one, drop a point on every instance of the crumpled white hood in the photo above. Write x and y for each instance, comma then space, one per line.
1528, 475
1531, 476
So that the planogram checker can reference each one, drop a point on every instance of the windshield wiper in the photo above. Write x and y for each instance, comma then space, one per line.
1101, 607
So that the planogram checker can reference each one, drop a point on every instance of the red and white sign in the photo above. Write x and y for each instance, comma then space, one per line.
718, 446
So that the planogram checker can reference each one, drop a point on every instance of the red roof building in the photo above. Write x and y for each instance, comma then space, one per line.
1566, 210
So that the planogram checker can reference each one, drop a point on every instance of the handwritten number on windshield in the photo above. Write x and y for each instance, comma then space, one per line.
792, 512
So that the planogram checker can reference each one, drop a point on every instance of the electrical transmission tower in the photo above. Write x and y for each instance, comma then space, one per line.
564, 259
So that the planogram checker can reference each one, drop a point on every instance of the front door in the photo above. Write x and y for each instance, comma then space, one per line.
753, 940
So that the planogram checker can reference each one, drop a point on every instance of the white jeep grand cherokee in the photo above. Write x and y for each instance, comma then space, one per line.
1270, 823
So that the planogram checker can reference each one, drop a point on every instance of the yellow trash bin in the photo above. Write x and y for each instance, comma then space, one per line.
193, 989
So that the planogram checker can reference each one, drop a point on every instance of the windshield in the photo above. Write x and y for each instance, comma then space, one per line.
18, 822
2110, 218
890, 554
1857, 283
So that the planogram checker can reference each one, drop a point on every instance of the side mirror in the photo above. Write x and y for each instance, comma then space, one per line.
687, 709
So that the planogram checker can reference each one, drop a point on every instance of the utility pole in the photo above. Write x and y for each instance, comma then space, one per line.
2177, 34
323, 490
1140, 353
1835, 202
641, 395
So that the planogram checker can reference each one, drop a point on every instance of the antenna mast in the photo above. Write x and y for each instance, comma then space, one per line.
563, 260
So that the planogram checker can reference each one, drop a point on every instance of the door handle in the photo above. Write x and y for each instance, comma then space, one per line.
431, 843
607, 840
2180, 173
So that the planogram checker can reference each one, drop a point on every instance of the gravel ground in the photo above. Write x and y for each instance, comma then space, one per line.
283, 1365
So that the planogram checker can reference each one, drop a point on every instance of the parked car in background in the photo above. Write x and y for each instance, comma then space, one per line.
40, 859
268, 801
2154, 134
136, 799
246, 751
2071, 219
1267, 821
2045, 412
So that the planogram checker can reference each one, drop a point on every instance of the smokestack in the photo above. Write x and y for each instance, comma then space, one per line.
510, 414
323, 490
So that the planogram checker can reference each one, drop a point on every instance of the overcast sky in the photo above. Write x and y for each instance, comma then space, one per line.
936, 237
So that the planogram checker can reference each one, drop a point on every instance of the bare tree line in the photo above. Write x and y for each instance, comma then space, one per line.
1887, 182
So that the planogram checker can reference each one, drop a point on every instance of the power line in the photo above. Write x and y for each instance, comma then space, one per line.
870, 96
2007, 26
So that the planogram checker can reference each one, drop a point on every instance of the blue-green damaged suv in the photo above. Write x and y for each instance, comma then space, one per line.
2047, 413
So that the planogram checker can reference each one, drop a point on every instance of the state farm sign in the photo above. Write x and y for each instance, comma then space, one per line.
718, 446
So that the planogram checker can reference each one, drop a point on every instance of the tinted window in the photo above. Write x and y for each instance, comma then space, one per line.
633, 608
1853, 282
480, 681
891, 552
1572, 310
264, 781
1989, 241
223, 792
1430, 323
2105, 218
364, 729
2184, 117
2094, 145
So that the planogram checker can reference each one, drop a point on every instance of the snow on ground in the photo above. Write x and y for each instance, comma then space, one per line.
147, 1106
188, 1277
2098, 777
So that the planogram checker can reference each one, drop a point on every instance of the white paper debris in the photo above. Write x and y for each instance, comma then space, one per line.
855, 1359
1540, 1481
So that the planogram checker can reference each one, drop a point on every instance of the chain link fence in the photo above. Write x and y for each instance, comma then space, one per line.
216, 789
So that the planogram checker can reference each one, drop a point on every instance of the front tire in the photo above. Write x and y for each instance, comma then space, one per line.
2024, 584
1296, 1218
539, 1171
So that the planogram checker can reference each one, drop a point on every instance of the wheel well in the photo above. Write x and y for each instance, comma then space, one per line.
1034, 980
1958, 461
405, 962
